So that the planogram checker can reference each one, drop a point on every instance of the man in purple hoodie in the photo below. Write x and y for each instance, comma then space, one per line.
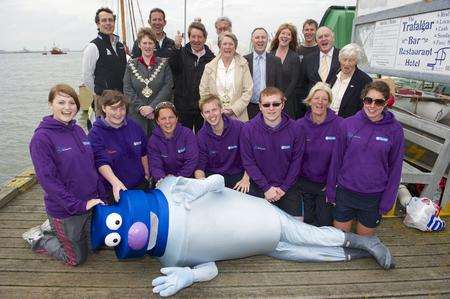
271, 152
64, 164
218, 142
366, 164
172, 149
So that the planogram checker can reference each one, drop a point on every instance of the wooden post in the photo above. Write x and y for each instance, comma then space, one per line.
122, 20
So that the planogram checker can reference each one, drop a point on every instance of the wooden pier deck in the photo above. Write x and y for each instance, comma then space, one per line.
422, 268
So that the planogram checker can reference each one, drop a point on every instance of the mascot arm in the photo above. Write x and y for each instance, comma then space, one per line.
177, 278
188, 190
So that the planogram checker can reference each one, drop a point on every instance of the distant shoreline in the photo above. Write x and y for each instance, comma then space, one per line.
26, 52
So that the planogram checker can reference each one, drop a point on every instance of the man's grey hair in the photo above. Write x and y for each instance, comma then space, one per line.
223, 19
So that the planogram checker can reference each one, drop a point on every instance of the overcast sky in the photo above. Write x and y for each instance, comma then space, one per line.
37, 24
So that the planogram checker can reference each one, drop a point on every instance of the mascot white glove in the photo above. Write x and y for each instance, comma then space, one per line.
177, 278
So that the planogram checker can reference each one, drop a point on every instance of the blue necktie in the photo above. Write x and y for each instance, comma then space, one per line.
257, 80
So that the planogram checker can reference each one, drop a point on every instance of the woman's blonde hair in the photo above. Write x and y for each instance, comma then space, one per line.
319, 86
229, 35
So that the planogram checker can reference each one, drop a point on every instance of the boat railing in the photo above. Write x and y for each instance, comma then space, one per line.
434, 137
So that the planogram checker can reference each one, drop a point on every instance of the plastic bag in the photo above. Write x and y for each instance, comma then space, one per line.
423, 214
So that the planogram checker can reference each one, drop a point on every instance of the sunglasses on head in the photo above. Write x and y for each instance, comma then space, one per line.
378, 102
275, 104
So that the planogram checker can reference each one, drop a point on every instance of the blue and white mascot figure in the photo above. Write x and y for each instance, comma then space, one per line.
189, 224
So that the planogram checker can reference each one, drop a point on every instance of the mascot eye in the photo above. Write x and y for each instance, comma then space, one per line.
113, 221
112, 239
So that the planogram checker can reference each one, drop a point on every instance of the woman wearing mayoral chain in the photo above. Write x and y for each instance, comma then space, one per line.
147, 81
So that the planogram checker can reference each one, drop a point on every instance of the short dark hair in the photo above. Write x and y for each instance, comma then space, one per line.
379, 86
66, 89
310, 22
157, 9
145, 31
259, 28
198, 26
165, 105
105, 9
111, 97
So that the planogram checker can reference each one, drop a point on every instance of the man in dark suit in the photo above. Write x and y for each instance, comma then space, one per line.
266, 69
321, 65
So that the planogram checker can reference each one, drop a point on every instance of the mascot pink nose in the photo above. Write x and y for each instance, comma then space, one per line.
137, 235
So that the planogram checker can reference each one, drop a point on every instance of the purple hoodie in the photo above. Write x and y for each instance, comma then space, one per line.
177, 155
120, 148
320, 141
368, 158
64, 164
220, 154
272, 156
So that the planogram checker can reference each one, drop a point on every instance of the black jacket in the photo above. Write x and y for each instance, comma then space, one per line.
187, 71
110, 66
351, 100
309, 71
165, 51
274, 72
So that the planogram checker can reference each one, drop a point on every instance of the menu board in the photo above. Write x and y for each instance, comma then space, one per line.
411, 46
419, 43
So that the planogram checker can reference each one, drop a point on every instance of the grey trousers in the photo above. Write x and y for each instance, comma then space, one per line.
68, 241
305, 243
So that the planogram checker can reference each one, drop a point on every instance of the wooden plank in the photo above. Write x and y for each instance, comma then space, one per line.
23, 209
257, 264
242, 278
204, 290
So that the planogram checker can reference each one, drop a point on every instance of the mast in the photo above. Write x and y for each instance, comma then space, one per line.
122, 19
185, 35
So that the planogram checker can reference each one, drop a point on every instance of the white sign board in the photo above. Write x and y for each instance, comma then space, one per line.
365, 7
418, 43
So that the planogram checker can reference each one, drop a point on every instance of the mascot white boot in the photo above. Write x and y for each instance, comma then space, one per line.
189, 224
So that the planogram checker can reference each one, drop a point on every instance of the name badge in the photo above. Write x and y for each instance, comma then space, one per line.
380, 138
330, 137
231, 147
259, 148
284, 147
136, 143
181, 150
86, 143
61, 149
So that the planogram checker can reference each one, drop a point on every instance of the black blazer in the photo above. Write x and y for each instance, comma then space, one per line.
291, 70
351, 100
309, 71
274, 70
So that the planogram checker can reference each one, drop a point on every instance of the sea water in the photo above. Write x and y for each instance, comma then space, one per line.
25, 81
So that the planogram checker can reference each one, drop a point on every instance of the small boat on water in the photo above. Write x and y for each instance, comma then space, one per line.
57, 51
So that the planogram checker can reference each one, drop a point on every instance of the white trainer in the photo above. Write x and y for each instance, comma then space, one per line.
46, 227
33, 235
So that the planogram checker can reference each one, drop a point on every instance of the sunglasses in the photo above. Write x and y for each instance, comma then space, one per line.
378, 102
275, 104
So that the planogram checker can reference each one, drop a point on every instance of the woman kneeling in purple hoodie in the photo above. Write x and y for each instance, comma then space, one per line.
320, 125
120, 146
172, 149
64, 163
367, 163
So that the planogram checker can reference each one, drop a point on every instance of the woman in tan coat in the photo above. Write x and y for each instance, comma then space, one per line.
228, 77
